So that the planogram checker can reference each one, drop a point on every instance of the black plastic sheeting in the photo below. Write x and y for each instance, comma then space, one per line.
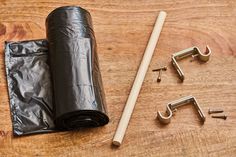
56, 84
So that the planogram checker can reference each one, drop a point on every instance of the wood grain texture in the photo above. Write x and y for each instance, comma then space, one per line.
122, 29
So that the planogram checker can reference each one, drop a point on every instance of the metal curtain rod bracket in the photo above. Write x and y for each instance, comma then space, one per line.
172, 106
192, 51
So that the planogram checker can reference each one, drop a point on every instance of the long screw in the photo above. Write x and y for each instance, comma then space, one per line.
222, 117
161, 68
215, 111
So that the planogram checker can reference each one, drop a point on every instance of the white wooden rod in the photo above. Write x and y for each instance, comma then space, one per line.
128, 110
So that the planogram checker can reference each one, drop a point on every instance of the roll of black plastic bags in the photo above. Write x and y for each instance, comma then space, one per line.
76, 78
70, 67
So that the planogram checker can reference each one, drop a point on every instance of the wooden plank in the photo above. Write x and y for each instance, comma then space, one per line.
122, 29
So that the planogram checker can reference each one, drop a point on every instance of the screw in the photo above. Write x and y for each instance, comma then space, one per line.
215, 111
159, 76
193, 57
222, 117
164, 68
161, 68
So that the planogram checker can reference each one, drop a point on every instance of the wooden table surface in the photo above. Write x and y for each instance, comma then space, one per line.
122, 30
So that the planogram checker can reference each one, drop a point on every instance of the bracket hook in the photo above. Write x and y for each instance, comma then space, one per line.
192, 51
172, 106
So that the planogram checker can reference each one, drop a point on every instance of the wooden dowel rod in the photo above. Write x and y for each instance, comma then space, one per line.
128, 110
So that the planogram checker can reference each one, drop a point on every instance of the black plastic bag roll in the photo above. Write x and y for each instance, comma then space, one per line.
56, 84
76, 78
